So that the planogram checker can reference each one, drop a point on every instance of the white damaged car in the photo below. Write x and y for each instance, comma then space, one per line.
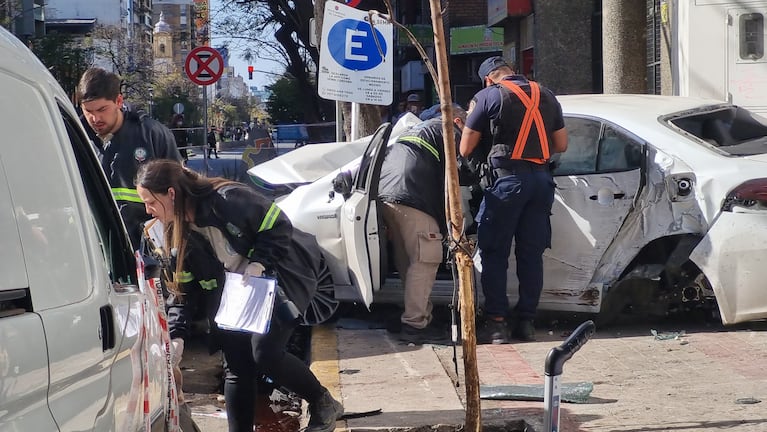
661, 206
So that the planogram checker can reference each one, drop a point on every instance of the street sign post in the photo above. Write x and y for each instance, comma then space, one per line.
178, 108
356, 61
204, 66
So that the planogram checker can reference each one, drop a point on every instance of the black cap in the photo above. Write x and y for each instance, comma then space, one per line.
490, 65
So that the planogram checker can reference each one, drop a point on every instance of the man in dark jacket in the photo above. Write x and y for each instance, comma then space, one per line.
124, 139
522, 126
412, 192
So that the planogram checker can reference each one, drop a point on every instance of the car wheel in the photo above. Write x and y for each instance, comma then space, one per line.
323, 305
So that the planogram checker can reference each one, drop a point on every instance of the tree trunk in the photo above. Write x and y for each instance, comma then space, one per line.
473, 422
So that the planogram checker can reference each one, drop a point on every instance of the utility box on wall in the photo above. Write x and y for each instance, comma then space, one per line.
412, 76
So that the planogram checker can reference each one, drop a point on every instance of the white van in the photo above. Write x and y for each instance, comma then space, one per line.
80, 344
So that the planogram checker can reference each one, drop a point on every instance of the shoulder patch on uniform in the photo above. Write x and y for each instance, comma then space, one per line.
140, 154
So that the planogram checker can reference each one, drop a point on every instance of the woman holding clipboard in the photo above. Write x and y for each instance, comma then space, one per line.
212, 226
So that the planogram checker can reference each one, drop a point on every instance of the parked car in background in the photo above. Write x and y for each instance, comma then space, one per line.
81, 346
660, 206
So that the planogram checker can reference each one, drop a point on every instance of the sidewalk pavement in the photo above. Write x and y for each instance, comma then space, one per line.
704, 379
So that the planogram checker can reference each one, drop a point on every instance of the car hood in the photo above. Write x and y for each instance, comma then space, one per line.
311, 162
758, 158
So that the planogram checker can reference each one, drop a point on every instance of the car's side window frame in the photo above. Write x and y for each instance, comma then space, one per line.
597, 149
618, 151
114, 244
581, 155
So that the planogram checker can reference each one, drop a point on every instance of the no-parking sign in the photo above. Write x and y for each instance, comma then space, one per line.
356, 61
204, 65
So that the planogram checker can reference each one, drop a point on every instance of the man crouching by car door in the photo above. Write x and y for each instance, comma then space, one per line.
412, 192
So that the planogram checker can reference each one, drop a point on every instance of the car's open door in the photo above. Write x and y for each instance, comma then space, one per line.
360, 220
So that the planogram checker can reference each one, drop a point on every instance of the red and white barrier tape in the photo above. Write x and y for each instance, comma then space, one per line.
152, 289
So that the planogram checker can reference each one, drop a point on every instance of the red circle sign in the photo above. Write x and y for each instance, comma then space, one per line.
353, 3
204, 65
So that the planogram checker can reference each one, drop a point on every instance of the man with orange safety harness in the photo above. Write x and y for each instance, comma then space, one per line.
524, 127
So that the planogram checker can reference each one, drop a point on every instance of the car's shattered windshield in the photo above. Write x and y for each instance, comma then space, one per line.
733, 130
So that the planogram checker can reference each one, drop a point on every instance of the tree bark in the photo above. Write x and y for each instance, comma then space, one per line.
473, 421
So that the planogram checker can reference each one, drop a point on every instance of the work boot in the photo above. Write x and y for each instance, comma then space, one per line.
426, 335
323, 414
493, 332
523, 330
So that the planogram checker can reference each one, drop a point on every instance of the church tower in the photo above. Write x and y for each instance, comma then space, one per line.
163, 46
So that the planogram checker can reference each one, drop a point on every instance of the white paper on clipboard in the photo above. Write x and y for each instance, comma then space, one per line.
246, 306
156, 231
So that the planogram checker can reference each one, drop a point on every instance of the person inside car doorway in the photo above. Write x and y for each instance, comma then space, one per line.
526, 127
412, 191
125, 140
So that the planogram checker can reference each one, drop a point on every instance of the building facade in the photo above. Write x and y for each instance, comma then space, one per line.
121, 30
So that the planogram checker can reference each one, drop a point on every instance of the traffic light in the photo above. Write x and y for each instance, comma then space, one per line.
250, 72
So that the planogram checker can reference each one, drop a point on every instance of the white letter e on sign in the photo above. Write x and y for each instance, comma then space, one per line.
350, 44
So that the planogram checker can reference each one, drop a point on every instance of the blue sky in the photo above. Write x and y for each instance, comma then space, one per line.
241, 66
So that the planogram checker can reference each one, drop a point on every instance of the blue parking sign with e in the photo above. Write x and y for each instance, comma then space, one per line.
356, 47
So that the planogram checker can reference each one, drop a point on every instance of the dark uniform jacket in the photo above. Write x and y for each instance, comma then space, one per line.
138, 140
504, 112
413, 171
254, 227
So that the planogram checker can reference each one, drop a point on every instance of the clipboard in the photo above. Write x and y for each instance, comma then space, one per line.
246, 306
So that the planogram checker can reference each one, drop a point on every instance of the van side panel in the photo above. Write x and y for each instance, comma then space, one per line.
41, 193
61, 279
11, 259
23, 374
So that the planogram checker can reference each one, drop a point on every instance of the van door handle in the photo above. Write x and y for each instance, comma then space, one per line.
107, 330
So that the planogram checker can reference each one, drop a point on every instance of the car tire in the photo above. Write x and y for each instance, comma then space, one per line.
323, 306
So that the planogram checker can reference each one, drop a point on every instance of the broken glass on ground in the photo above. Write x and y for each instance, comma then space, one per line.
672, 335
578, 392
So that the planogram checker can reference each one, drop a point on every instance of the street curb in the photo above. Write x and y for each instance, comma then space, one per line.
324, 361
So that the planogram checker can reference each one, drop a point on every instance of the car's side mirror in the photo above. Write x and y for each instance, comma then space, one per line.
342, 184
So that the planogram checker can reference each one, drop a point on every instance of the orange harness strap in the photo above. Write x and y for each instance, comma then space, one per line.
532, 115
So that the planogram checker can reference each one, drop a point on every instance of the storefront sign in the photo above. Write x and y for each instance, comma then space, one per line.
476, 39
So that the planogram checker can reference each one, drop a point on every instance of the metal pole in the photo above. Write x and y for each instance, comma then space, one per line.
207, 129
355, 120
339, 122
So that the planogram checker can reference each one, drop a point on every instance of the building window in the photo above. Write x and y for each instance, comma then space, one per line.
162, 48
653, 47
751, 42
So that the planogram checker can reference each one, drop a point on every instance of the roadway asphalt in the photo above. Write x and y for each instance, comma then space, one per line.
693, 376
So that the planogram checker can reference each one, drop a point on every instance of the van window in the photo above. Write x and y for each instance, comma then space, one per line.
44, 202
106, 218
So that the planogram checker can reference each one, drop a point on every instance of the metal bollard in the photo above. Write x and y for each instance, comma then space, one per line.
555, 360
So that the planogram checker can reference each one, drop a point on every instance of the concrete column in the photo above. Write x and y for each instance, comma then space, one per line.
563, 41
624, 47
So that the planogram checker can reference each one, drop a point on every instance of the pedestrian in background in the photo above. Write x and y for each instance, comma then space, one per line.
125, 140
412, 191
526, 125
223, 225
212, 142
180, 135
